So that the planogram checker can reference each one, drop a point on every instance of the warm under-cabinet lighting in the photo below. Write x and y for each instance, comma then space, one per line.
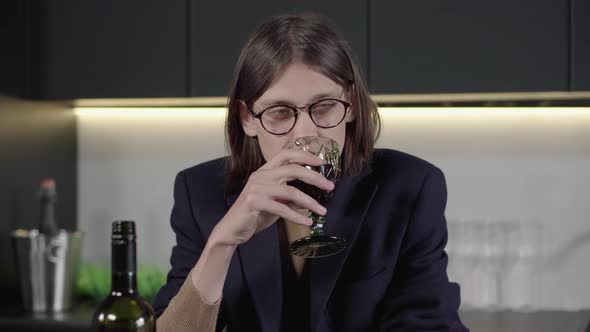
583, 112
150, 111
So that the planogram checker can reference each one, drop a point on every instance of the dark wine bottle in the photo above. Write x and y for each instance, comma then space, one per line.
124, 309
47, 194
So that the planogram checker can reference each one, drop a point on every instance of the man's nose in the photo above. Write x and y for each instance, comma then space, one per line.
304, 125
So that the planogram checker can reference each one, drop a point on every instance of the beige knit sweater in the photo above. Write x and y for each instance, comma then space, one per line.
188, 311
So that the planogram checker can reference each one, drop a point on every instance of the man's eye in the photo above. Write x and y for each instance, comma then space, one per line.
279, 113
324, 106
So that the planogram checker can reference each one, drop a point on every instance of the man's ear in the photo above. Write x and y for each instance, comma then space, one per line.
247, 119
350, 114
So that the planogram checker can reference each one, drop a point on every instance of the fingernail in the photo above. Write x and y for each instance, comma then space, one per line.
323, 210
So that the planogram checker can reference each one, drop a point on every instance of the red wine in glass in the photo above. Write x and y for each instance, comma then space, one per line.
318, 244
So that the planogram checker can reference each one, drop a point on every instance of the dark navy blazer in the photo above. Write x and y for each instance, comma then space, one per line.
392, 276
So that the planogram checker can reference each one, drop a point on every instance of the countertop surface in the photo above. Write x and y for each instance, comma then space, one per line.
79, 318
14, 319
536, 321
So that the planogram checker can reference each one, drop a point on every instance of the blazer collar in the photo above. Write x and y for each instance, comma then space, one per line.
346, 213
261, 260
261, 263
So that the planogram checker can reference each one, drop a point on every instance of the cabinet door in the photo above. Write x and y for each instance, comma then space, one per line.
431, 46
220, 28
580, 45
109, 48
13, 48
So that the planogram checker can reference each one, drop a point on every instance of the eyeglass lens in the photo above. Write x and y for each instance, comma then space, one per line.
324, 113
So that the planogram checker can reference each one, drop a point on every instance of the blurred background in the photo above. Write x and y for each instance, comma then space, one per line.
113, 99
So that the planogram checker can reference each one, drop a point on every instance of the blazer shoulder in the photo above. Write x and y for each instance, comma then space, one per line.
207, 168
389, 159
208, 174
398, 165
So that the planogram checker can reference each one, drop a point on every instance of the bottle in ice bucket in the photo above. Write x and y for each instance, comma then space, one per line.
124, 309
47, 195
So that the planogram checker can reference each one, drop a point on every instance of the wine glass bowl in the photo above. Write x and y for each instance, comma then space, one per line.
318, 244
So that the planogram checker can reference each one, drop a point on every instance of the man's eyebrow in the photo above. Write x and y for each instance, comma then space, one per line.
281, 101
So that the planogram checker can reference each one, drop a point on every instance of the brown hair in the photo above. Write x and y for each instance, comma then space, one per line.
276, 43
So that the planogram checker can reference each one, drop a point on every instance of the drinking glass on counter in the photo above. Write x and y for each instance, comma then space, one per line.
496, 260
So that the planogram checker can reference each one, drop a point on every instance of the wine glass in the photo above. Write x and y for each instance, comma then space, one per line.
318, 244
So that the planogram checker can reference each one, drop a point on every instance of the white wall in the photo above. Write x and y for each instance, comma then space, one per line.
521, 173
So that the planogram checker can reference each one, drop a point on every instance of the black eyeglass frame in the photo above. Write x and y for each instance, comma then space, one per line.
298, 110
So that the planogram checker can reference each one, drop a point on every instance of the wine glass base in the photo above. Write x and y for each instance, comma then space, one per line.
317, 246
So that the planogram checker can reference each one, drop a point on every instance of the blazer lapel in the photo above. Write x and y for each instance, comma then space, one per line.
261, 262
346, 212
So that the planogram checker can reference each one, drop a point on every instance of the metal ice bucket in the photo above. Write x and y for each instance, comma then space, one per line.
47, 268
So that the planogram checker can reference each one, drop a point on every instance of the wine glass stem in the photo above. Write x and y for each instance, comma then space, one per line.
317, 228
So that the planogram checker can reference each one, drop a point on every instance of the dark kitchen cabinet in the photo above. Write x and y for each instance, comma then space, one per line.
431, 46
580, 74
220, 28
12, 48
104, 48
68, 49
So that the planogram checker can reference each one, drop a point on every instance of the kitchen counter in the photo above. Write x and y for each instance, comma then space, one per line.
537, 321
78, 320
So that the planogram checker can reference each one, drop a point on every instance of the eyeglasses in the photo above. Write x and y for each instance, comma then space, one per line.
325, 113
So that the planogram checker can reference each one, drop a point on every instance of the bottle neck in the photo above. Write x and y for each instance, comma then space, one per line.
47, 212
123, 266
47, 222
